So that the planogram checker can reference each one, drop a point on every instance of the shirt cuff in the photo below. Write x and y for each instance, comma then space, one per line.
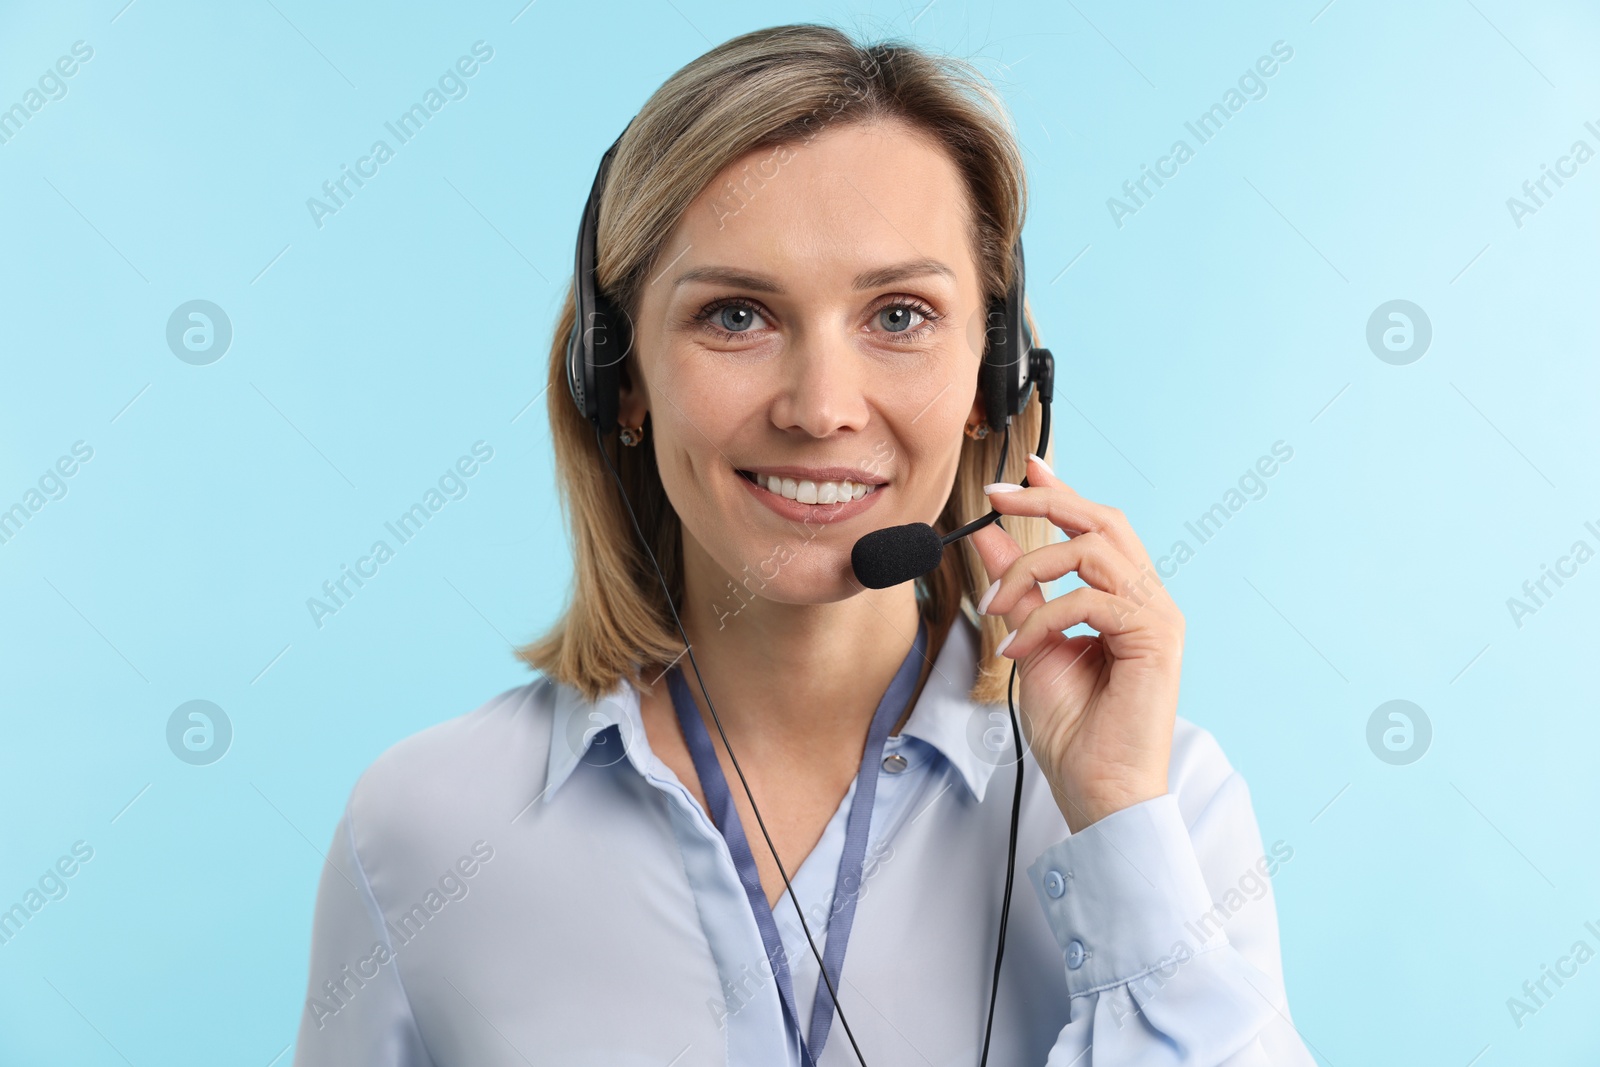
1125, 896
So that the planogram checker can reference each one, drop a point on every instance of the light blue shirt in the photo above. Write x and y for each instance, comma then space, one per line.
530, 884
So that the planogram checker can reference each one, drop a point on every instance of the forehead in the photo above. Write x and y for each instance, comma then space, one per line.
853, 196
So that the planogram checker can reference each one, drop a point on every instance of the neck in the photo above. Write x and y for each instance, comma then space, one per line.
793, 681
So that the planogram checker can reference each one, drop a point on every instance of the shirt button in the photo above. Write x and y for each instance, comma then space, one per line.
894, 763
1054, 884
1075, 955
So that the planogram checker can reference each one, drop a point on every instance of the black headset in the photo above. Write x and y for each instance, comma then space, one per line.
602, 336
600, 340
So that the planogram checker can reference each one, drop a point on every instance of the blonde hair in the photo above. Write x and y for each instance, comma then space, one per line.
764, 89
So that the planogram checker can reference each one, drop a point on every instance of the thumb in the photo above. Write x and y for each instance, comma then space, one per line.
999, 550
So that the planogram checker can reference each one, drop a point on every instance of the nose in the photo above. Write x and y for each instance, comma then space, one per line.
823, 388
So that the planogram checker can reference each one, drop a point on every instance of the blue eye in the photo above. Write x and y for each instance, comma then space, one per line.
896, 318
735, 318
904, 320
729, 318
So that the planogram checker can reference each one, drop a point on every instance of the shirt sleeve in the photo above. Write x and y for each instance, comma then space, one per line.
357, 1013
1170, 937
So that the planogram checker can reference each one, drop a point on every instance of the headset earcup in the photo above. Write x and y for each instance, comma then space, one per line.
606, 390
1005, 354
577, 382
993, 376
611, 340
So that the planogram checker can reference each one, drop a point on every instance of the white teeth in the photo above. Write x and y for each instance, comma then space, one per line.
814, 492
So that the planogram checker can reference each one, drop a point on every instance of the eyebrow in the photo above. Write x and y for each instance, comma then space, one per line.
868, 279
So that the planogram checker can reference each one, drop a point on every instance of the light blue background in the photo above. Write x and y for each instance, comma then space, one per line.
369, 354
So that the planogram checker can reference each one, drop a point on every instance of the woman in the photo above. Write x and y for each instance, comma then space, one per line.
805, 236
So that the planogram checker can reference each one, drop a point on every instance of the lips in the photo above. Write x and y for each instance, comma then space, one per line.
812, 489
813, 499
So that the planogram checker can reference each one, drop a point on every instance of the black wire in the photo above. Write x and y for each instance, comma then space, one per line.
1005, 447
1016, 799
1011, 866
979, 523
837, 1007
1016, 730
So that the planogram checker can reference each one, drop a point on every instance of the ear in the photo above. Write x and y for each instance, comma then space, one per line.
979, 412
632, 401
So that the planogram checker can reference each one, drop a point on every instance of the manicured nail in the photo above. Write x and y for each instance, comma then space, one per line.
1043, 464
1004, 641
983, 605
1000, 487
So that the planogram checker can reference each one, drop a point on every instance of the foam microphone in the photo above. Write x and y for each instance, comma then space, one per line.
898, 554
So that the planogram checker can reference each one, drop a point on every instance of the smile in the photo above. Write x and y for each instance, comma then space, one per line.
809, 491
813, 499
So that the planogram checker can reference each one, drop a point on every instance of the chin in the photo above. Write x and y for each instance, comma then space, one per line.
802, 572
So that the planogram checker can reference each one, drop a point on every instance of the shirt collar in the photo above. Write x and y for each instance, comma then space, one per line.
577, 724
973, 738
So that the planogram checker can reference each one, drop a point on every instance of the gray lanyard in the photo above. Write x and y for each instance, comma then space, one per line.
719, 801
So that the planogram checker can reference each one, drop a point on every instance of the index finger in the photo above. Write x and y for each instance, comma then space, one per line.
999, 550
1070, 512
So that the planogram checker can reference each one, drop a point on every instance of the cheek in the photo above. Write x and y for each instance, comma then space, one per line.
681, 452
949, 464
934, 433
931, 459
693, 434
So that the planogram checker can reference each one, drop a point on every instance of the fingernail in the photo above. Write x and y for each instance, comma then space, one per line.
983, 605
1004, 641
1042, 463
1000, 487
